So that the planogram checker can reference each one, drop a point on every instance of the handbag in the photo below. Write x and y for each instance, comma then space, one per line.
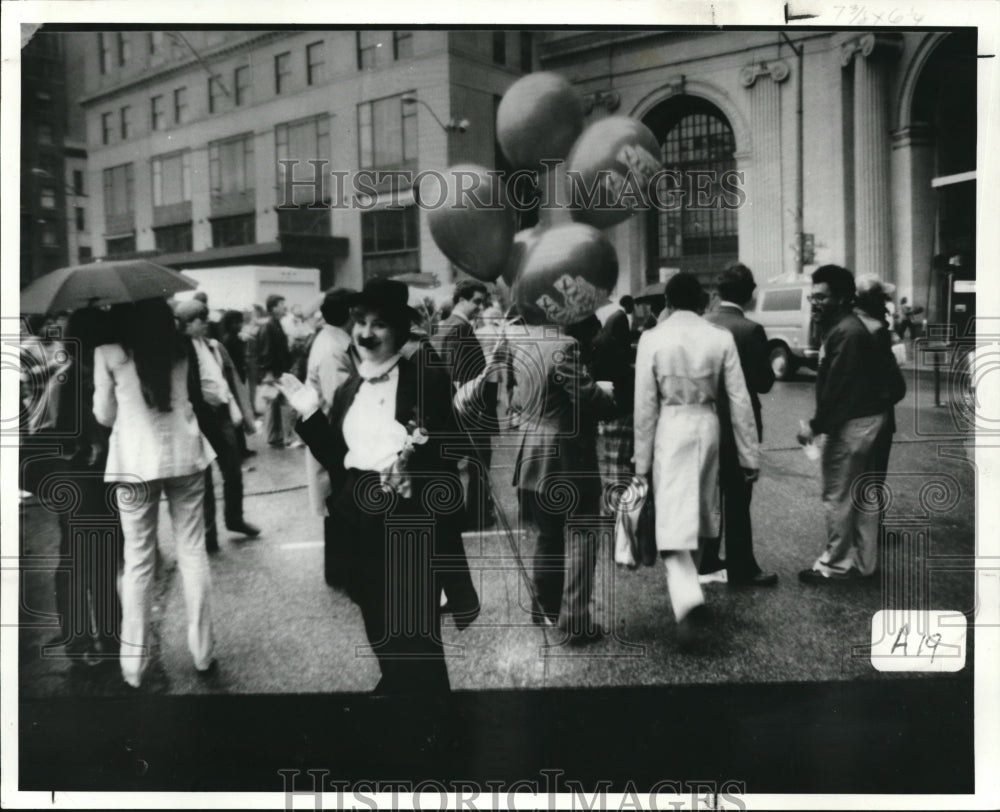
628, 513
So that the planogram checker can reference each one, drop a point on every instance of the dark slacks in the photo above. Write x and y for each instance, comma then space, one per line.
563, 564
736, 524
90, 555
479, 510
222, 437
391, 575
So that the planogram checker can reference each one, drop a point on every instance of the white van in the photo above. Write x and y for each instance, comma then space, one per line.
784, 311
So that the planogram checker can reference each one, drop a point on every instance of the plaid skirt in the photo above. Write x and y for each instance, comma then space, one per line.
616, 448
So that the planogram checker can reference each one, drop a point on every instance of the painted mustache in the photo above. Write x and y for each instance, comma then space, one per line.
368, 342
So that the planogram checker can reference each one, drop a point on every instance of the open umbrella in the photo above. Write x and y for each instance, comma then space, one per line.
652, 291
102, 283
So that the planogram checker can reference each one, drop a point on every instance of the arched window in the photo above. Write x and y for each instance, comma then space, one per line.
695, 232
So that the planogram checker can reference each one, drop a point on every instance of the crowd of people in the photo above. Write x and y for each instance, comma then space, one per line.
399, 415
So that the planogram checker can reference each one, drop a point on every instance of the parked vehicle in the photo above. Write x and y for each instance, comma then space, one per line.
241, 287
783, 310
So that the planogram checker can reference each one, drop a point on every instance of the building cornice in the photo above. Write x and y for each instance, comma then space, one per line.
587, 41
153, 75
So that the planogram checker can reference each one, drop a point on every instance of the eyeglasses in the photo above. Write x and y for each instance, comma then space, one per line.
818, 298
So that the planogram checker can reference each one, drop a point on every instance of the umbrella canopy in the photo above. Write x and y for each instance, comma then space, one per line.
651, 291
419, 279
102, 283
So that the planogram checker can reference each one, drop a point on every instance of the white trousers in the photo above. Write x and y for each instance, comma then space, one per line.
682, 582
139, 514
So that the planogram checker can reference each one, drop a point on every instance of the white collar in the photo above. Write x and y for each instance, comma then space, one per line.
366, 369
724, 303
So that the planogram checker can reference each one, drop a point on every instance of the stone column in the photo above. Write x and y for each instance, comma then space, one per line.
872, 213
913, 210
764, 189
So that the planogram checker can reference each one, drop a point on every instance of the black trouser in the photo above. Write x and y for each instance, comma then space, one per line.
736, 525
562, 569
90, 555
478, 499
222, 437
391, 575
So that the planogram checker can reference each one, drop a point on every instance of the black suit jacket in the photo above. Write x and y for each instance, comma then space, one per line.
422, 395
462, 353
273, 354
755, 360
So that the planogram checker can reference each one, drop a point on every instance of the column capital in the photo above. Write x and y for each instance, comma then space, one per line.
778, 71
918, 134
870, 46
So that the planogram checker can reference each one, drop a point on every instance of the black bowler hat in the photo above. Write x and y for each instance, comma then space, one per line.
387, 296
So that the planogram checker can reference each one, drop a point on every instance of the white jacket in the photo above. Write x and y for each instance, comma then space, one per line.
681, 364
145, 442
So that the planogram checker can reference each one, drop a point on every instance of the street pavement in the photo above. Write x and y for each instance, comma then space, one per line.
281, 630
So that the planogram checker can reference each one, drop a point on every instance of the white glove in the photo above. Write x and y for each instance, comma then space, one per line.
304, 399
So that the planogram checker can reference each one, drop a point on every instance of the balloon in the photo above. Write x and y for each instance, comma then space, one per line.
523, 240
610, 169
540, 116
568, 273
473, 225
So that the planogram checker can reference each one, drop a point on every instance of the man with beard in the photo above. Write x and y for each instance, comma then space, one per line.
853, 409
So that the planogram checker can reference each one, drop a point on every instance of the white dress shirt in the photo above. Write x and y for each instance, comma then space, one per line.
214, 388
374, 438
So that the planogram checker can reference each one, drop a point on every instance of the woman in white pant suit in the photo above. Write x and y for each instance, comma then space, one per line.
156, 447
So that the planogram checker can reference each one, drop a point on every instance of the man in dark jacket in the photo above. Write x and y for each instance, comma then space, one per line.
456, 342
273, 360
736, 286
854, 400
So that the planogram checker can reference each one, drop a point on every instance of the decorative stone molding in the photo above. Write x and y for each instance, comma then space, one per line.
608, 99
676, 84
878, 46
777, 70
918, 134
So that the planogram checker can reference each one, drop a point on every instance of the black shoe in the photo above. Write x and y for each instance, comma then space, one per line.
249, 453
465, 612
245, 528
691, 629
211, 671
760, 579
211, 543
585, 636
818, 577
542, 618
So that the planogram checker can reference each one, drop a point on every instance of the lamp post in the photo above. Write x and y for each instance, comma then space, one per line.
452, 126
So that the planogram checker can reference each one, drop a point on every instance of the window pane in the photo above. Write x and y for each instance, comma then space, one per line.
403, 42
500, 47
365, 134
171, 179
692, 238
387, 132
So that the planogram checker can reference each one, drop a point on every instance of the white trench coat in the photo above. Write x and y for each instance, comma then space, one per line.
680, 366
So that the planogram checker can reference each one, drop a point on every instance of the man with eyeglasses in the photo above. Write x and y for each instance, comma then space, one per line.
853, 407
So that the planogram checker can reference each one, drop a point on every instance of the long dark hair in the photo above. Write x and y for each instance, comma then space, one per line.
149, 335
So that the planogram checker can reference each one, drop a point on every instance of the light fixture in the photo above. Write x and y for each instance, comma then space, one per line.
453, 125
